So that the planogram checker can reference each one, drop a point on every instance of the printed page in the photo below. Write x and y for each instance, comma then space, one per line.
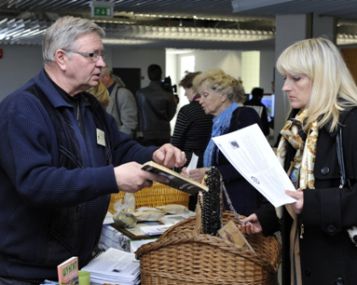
250, 153
114, 265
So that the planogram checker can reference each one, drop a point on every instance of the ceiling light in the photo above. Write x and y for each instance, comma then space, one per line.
244, 5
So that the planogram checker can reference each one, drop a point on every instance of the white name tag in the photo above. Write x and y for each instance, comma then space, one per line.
100, 137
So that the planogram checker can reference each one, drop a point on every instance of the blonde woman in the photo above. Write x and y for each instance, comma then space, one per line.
101, 93
222, 96
318, 149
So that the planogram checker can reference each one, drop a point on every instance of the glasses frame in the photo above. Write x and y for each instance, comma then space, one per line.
93, 56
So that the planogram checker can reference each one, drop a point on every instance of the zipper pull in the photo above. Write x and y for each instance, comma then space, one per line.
78, 115
302, 231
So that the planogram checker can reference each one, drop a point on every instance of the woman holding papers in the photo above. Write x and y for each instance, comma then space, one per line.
318, 148
221, 95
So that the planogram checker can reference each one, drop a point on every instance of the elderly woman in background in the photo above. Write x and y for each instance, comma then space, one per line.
222, 96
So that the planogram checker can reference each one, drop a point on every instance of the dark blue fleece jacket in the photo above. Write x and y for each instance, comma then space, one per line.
49, 213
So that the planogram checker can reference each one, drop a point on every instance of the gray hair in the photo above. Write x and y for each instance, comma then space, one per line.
64, 32
221, 82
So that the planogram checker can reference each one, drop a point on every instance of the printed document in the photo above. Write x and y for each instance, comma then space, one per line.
249, 152
114, 267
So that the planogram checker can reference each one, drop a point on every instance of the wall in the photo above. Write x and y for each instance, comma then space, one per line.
227, 60
18, 65
267, 64
139, 58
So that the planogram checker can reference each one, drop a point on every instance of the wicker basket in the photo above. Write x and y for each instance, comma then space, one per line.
182, 256
156, 195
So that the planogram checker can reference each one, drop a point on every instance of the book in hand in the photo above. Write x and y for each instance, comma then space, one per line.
67, 271
174, 179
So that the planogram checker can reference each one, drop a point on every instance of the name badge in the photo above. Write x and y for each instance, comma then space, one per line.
100, 137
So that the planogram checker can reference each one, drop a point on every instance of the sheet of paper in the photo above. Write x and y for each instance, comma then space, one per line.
193, 162
114, 266
108, 219
250, 153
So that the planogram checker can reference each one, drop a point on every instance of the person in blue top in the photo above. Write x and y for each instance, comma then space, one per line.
222, 96
61, 156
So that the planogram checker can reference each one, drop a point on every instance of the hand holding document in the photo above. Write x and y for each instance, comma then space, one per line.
250, 153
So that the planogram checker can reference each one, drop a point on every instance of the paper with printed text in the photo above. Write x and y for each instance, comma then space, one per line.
251, 155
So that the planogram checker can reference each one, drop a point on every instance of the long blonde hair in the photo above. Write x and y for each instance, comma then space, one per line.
101, 93
333, 88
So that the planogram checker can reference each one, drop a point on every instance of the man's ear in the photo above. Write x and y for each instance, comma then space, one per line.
61, 58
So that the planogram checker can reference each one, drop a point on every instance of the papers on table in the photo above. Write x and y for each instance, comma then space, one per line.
108, 219
250, 153
114, 267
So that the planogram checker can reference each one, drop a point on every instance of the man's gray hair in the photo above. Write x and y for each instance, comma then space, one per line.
64, 32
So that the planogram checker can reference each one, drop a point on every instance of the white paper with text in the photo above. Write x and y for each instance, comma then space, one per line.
249, 152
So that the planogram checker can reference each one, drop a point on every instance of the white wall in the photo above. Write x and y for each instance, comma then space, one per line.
18, 65
228, 61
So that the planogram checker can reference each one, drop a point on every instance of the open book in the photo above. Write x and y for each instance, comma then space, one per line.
174, 179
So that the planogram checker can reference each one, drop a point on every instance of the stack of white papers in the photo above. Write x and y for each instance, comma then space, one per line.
110, 237
114, 267
250, 153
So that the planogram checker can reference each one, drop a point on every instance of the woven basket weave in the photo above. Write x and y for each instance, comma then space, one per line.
182, 256
156, 195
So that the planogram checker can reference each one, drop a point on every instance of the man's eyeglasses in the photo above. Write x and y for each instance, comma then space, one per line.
94, 56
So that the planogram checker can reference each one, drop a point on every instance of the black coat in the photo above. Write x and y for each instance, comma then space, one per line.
244, 197
328, 255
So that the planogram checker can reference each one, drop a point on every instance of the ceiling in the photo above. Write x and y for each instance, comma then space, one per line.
174, 23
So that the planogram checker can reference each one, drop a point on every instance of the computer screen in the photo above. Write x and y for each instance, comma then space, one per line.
268, 101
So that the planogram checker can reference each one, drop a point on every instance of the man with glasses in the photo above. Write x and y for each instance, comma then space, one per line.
61, 156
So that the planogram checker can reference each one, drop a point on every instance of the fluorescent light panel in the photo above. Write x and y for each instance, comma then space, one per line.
244, 5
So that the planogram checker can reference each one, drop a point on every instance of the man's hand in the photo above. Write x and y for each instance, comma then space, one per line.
169, 156
131, 178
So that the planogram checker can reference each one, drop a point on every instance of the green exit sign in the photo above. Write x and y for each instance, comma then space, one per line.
102, 9
102, 12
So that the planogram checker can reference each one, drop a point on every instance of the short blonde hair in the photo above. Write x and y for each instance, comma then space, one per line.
333, 88
221, 82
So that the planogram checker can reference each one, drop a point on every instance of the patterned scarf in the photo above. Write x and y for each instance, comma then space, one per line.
301, 173
220, 125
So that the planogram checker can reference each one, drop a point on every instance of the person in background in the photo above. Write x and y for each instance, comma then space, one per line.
156, 108
318, 148
101, 93
61, 156
122, 103
256, 100
218, 94
193, 127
